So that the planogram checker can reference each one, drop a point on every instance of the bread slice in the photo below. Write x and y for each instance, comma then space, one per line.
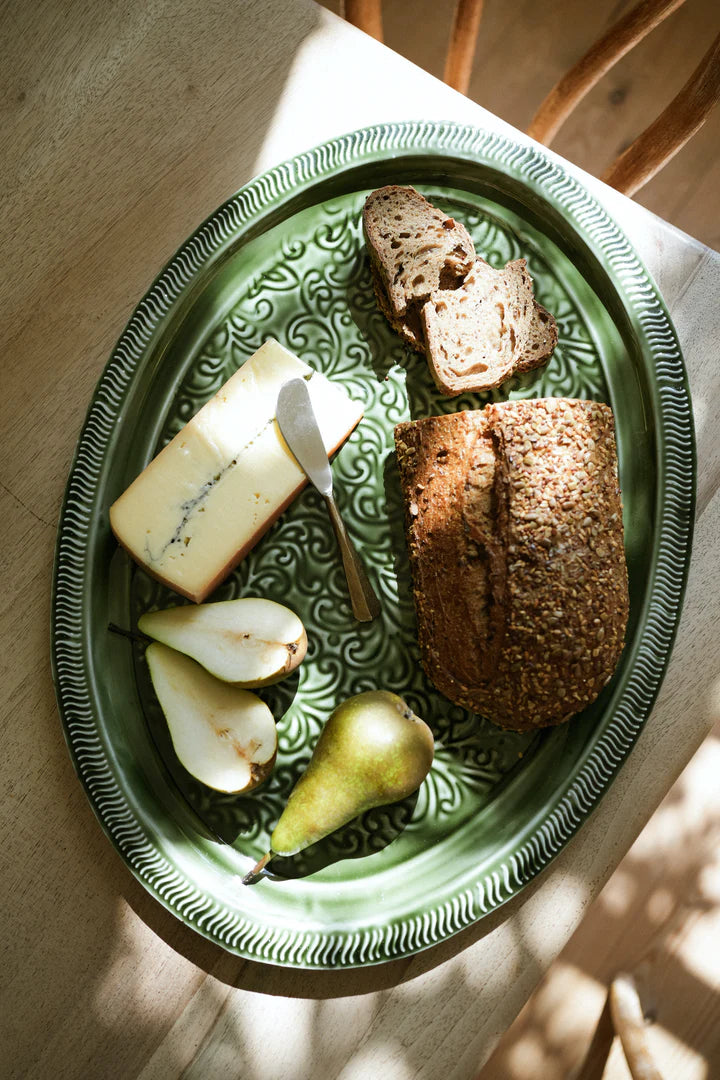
408, 326
514, 528
414, 248
477, 326
480, 334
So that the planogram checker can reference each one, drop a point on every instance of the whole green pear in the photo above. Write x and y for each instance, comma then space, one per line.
372, 751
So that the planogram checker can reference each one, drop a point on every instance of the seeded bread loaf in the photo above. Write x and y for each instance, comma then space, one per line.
414, 248
491, 327
514, 528
450, 577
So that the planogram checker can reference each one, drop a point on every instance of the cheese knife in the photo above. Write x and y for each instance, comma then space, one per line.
299, 427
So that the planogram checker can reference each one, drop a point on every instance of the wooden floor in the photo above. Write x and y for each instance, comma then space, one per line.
525, 46
659, 915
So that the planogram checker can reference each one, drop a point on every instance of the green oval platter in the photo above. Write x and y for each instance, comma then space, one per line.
284, 258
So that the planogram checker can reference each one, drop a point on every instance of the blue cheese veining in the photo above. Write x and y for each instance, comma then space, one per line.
211, 493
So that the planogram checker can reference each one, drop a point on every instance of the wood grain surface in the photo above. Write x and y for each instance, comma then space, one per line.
668, 134
124, 127
524, 49
659, 914
615, 43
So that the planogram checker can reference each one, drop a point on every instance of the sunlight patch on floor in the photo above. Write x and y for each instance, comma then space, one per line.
554, 1033
619, 893
659, 917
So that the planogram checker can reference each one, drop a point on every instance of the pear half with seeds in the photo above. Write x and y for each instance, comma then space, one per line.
249, 642
224, 736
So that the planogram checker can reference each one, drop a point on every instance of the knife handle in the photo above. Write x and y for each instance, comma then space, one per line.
365, 604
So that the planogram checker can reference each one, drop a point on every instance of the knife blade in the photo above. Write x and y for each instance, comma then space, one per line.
298, 424
299, 427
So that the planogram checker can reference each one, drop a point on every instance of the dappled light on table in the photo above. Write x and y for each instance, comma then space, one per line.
659, 917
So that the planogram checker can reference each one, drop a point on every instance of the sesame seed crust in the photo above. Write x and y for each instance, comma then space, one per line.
542, 534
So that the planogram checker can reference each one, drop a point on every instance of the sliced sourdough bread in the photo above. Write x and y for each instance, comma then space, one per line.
414, 248
407, 326
476, 325
514, 528
489, 328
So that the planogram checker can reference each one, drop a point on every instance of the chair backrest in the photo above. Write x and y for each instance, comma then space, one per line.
651, 149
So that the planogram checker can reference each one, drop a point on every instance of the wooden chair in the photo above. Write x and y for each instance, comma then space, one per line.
622, 1016
650, 150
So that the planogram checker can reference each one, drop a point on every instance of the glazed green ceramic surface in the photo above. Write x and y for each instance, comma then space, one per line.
285, 258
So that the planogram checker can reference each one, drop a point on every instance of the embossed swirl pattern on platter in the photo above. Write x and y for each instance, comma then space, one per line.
316, 297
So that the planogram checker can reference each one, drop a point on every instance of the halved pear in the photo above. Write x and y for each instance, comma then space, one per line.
250, 642
223, 735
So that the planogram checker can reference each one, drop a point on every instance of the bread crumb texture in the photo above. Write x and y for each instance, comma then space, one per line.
487, 330
414, 247
477, 326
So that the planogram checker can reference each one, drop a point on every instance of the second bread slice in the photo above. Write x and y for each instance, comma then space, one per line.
490, 328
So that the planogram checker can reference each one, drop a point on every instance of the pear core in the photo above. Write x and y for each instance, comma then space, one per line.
224, 736
250, 642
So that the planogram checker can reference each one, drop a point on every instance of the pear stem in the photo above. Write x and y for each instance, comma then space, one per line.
131, 635
258, 868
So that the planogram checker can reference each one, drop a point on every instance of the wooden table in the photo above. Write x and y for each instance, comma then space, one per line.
123, 127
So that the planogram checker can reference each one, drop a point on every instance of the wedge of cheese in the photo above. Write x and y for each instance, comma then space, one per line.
210, 494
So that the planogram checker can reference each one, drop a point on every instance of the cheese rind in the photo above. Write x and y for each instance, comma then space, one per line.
199, 506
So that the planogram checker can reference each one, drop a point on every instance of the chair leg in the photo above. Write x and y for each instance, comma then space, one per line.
622, 1015
366, 15
629, 1023
593, 1065
463, 41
